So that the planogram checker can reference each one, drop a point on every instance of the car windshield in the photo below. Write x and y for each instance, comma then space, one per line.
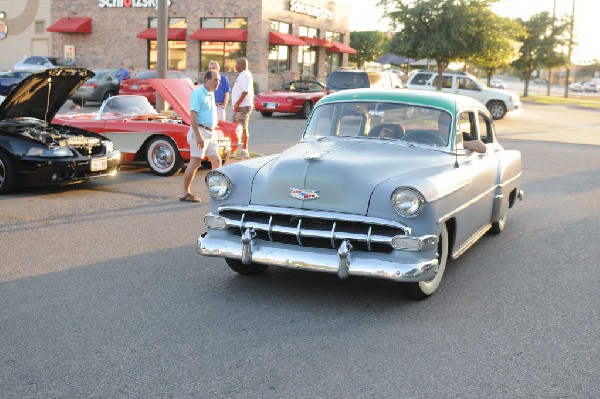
126, 106
381, 121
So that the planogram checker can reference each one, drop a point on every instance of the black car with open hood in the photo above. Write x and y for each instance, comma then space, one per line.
35, 152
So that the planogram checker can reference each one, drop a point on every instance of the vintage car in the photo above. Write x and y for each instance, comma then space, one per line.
295, 97
142, 134
375, 188
35, 152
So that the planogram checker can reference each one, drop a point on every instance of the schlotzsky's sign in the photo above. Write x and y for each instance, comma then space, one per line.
304, 7
130, 3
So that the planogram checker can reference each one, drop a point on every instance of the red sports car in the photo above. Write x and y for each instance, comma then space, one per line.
140, 133
295, 97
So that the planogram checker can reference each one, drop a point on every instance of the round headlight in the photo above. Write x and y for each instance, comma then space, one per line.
407, 201
219, 186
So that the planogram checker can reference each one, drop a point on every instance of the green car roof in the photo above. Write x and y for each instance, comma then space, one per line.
449, 102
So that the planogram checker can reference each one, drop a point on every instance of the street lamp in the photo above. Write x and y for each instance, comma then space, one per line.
570, 50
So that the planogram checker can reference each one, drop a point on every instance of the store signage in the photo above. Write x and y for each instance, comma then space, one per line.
306, 8
130, 3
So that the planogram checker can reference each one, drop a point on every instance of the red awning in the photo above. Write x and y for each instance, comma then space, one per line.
177, 34
315, 41
71, 25
285, 39
338, 47
220, 35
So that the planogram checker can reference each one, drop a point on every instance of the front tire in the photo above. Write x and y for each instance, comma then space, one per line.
497, 109
423, 289
162, 156
247, 270
8, 178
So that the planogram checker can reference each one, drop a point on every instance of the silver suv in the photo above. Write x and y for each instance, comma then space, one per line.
344, 79
498, 101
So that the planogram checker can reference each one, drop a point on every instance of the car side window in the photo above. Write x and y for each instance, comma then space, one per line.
466, 84
486, 129
421, 79
466, 128
446, 82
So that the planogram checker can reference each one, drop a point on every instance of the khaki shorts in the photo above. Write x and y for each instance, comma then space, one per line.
210, 148
242, 116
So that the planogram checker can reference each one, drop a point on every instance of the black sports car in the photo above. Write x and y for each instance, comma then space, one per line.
33, 151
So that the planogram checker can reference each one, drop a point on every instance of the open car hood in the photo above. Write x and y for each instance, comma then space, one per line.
176, 92
43, 93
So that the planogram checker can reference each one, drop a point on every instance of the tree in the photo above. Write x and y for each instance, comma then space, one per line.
443, 30
369, 46
500, 47
541, 38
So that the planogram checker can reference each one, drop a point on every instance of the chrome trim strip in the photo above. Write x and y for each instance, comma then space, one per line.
447, 216
471, 240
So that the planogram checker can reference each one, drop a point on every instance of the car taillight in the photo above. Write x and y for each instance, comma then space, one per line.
90, 85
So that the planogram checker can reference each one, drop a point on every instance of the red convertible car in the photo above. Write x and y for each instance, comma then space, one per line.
295, 97
142, 134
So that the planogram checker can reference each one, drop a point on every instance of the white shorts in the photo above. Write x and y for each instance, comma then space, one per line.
210, 148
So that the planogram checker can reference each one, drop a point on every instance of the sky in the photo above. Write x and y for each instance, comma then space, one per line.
365, 15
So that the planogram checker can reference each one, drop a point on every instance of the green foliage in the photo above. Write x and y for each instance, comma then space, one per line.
444, 30
542, 36
369, 46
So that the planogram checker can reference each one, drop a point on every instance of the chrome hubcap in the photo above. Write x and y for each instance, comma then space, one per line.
162, 156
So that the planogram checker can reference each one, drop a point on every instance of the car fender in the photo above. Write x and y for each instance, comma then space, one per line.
509, 179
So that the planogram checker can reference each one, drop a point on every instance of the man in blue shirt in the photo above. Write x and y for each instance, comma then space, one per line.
222, 92
122, 73
202, 136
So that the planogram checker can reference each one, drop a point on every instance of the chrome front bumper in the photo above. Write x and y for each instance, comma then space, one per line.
343, 261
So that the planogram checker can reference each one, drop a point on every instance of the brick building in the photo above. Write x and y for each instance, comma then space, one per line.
282, 39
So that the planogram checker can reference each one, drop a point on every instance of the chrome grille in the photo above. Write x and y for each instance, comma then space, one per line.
313, 229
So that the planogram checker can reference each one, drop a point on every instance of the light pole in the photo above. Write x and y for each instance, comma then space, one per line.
570, 50
550, 69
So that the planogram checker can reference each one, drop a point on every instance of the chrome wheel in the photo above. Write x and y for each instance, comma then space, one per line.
163, 156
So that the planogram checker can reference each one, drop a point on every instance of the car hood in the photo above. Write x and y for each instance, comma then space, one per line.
342, 173
43, 93
177, 93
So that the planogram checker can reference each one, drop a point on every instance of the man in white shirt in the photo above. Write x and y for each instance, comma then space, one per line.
242, 97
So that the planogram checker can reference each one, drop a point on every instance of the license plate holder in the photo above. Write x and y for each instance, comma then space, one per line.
271, 105
98, 164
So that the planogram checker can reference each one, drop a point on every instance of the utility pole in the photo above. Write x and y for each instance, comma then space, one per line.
570, 50
550, 69
161, 48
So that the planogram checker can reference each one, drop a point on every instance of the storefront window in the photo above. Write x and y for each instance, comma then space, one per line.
308, 59
176, 50
333, 60
226, 53
279, 55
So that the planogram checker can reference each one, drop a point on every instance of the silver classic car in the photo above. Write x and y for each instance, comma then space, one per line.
383, 184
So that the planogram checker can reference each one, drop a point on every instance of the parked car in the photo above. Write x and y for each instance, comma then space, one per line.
498, 101
352, 200
103, 85
344, 79
142, 134
590, 87
36, 63
576, 86
497, 84
36, 152
540, 81
10, 79
294, 97
139, 84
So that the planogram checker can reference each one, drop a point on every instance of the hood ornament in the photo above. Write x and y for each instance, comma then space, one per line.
316, 155
304, 194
